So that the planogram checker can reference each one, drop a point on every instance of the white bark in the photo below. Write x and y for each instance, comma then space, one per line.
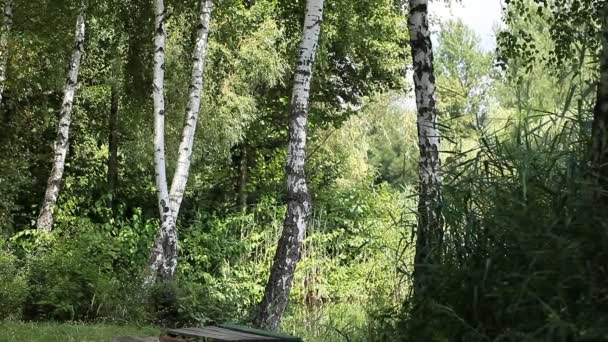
6, 30
299, 204
163, 257
180, 178
429, 233
45, 219
113, 121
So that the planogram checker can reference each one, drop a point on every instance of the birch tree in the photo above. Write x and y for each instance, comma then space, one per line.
112, 176
6, 30
180, 178
276, 295
45, 218
429, 232
163, 257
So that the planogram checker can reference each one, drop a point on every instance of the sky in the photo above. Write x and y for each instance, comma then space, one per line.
483, 16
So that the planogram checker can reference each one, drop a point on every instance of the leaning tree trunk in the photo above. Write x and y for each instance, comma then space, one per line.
163, 258
599, 135
45, 219
299, 204
180, 178
429, 232
6, 30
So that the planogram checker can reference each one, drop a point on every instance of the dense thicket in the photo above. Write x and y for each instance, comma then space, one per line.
516, 235
525, 234
105, 220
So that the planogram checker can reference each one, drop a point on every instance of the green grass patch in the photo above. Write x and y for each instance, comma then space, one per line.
55, 332
332, 323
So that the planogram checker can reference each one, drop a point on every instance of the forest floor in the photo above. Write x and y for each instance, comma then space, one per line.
333, 323
56, 332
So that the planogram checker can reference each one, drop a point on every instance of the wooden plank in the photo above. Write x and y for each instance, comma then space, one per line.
196, 333
278, 336
218, 334
233, 332
242, 336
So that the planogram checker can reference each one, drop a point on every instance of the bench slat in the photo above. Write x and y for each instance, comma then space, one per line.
221, 334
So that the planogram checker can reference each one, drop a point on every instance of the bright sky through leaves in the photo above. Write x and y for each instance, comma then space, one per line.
483, 16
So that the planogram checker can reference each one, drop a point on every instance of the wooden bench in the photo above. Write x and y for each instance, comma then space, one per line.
230, 332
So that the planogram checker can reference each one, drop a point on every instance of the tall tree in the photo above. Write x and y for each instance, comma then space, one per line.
429, 232
4, 37
113, 128
45, 219
163, 257
599, 135
165, 244
180, 178
299, 203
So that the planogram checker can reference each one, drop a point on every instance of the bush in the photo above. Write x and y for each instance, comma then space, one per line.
524, 253
74, 278
13, 285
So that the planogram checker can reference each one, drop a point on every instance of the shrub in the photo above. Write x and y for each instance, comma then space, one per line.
73, 277
524, 253
13, 285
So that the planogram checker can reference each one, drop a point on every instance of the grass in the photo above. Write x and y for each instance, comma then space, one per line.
333, 323
56, 332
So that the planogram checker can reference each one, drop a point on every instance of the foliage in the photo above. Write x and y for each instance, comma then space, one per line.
379, 141
89, 271
343, 255
11, 187
525, 248
72, 332
522, 235
13, 286
570, 25
522, 259
464, 81
76, 280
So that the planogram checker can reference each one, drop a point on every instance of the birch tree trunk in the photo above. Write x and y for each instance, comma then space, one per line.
299, 205
429, 232
6, 30
163, 257
113, 135
180, 178
599, 136
45, 219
